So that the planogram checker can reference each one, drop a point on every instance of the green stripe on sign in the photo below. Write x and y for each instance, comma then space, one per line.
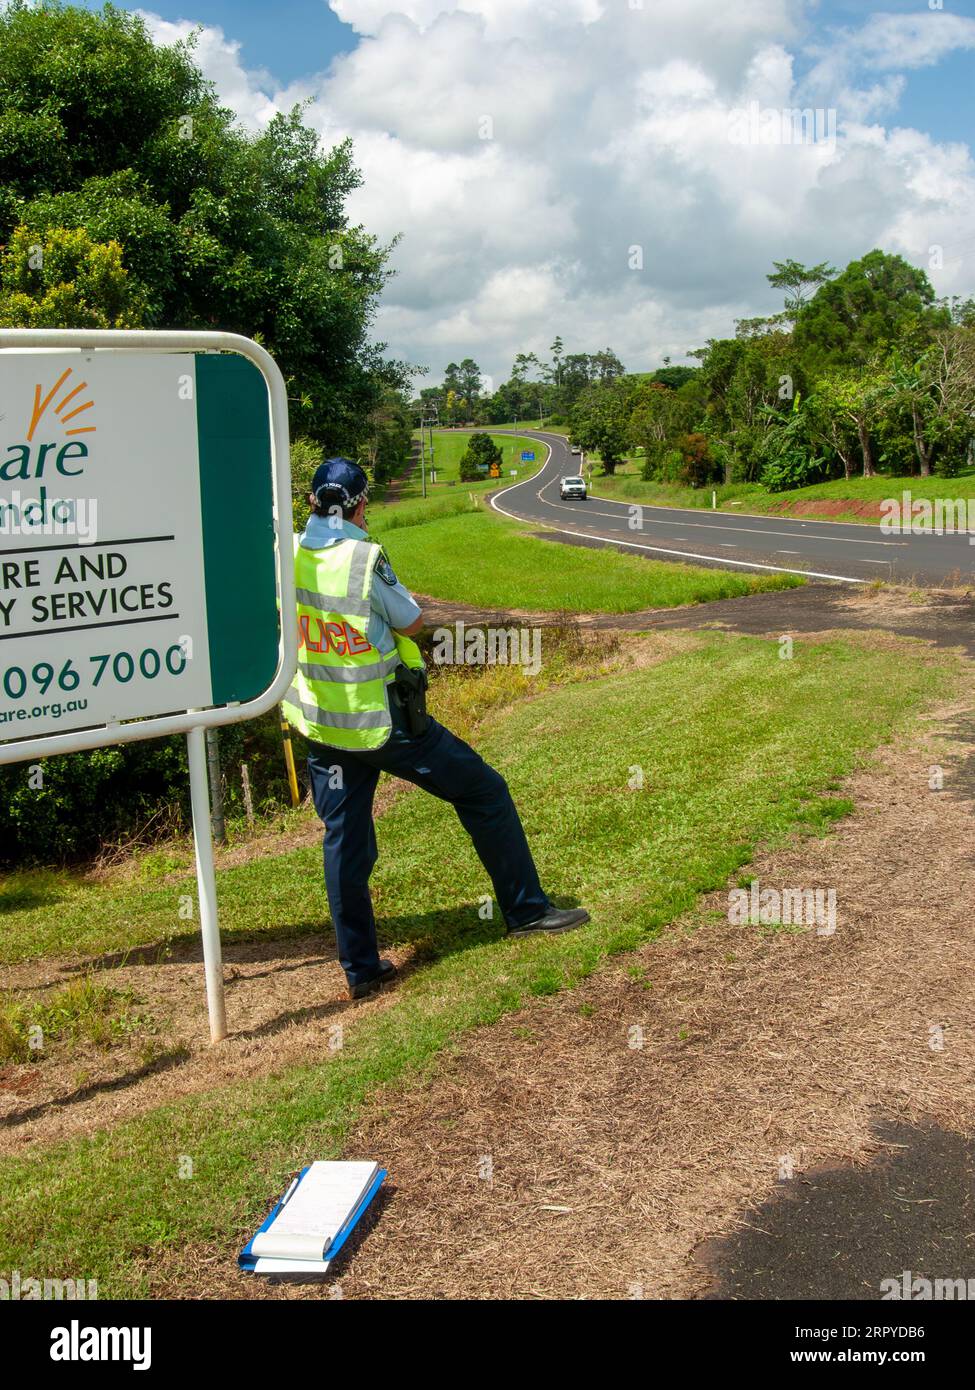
234, 423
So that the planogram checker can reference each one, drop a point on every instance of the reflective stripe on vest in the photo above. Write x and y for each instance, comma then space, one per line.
339, 693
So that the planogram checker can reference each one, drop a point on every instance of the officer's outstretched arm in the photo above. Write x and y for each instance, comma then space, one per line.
411, 630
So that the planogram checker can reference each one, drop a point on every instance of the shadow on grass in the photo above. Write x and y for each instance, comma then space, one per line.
292, 1017
285, 948
167, 1062
960, 784
27, 891
185, 947
432, 935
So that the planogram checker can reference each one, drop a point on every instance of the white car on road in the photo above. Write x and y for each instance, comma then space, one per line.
573, 487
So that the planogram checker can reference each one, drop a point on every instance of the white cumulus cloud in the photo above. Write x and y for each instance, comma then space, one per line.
574, 167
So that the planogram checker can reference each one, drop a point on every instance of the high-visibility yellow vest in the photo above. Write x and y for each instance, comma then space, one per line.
339, 696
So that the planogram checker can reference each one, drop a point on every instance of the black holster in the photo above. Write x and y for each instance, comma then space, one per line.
409, 689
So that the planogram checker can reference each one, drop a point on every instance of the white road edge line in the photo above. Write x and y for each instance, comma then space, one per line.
656, 549
705, 525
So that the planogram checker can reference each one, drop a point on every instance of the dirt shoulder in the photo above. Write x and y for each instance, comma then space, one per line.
944, 617
598, 1143
606, 1142
763, 1053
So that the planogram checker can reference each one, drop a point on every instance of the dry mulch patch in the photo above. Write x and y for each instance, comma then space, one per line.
829, 506
587, 1146
285, 998
285, 995
590, 1145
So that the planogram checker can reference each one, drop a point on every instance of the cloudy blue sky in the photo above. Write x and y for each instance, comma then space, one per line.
578, 166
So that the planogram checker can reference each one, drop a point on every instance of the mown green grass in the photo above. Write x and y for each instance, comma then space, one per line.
479, 557
627, 485
46, 913
449, 446
86, 1009
151, 899
418, 511
736, 746
536, 424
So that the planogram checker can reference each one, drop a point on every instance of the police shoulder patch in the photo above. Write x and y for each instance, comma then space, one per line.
385, 570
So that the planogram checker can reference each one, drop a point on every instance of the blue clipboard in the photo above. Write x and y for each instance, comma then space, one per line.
247, 1261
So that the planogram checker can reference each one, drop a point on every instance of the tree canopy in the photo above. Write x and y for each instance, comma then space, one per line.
130, 197
864, 370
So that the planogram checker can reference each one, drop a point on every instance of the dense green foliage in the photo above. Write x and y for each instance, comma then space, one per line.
862, 372
481, 453
130, 197
77, 805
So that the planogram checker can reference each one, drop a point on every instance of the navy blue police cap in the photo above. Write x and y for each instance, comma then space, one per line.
342, 478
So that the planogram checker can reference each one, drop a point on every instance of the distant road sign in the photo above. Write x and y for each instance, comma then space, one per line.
528, 455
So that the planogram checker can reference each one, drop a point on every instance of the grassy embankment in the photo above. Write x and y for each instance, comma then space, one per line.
451, 546
735, 745
448, 448
484, 559
855, 499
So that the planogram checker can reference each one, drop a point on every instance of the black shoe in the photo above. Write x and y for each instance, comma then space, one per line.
556, 919
387, 972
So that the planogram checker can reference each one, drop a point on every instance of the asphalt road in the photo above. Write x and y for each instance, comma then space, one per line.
823, 549
840, 1233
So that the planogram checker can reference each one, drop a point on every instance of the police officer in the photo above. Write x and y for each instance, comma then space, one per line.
358, 698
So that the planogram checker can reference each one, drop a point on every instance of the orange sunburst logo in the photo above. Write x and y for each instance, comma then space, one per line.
61, 409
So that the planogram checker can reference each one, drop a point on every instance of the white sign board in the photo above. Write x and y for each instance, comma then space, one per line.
140, 574
102, 594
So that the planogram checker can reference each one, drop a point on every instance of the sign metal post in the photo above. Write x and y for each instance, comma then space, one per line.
206, 882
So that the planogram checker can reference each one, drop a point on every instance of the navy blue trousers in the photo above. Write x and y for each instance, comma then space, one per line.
343, 785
